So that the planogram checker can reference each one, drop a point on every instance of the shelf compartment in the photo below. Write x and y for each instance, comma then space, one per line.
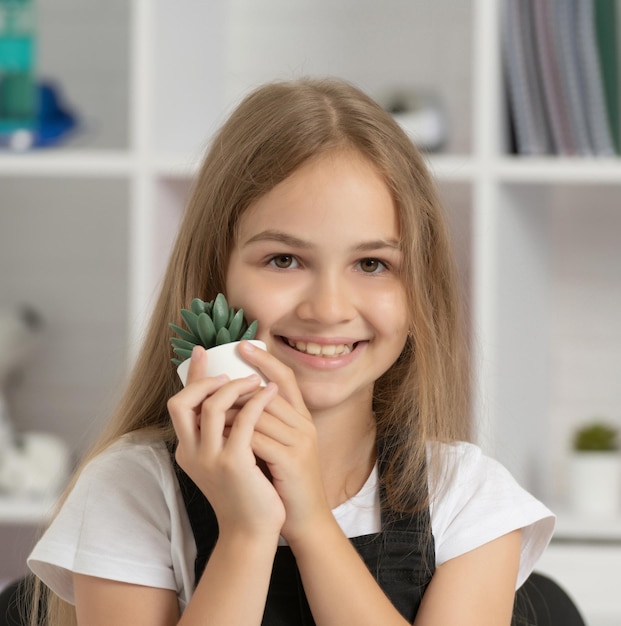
64, 251
548, 291
373, 45
84, 50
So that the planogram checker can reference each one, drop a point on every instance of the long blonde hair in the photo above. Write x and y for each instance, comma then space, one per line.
424, 395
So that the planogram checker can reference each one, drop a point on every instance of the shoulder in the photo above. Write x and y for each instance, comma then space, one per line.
117, 521
134, 457
459, 471
475, 499
131, 481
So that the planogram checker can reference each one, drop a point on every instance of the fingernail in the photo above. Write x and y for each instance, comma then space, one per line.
253, 377
222, 377
197, 352
249, 347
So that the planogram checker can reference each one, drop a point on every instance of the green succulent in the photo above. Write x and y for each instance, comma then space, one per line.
596, 436
209, 324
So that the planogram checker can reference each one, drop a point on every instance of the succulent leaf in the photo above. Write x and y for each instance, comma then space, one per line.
191, 319
184, 354
223, 336
250, 332
197, 306
181, 343
235, 325
206, 330
184, 334
220, 313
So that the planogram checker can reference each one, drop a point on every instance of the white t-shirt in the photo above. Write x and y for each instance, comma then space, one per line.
125, 519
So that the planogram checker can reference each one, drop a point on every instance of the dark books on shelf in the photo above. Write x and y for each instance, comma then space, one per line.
561, 62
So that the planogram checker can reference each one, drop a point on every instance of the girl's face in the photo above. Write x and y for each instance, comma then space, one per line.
317, 262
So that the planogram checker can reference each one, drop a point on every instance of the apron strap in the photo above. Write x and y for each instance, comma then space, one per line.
202, 518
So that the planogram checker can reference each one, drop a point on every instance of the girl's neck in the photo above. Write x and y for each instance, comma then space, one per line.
347, 450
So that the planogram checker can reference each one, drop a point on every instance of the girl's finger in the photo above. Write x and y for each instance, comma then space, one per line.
184, 407
242, 429
198, 365
282, 424
213, 414
276, 371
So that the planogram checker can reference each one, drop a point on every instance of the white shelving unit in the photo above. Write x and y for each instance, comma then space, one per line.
24, 510
185, 68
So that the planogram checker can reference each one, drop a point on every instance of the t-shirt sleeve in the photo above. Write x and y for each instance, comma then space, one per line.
115, 524
479, 502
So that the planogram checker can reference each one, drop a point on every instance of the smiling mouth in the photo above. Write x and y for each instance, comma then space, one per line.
325, 350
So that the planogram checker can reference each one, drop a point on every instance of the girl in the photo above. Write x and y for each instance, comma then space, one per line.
342, 491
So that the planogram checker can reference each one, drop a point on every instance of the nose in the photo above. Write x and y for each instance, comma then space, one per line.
328, 300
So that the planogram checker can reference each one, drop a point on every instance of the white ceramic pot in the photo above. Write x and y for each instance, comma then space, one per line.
595, 483
225, 359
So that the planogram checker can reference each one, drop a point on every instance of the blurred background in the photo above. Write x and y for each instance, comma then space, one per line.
118, 101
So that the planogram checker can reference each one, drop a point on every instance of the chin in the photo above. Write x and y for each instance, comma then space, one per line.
321, 397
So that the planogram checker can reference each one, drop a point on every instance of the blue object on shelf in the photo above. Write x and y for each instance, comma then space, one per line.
52, 123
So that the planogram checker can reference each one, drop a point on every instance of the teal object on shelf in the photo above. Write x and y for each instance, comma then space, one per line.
18, 90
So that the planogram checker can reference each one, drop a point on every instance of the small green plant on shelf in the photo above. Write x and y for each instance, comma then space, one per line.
596, 436
209, 324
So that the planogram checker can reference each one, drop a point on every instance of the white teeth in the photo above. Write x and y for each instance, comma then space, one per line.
326, 350
311, 348
329, 350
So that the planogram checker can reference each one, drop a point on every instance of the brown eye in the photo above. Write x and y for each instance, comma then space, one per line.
283, 261
370, 265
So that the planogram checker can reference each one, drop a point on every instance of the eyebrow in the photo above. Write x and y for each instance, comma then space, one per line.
295, 242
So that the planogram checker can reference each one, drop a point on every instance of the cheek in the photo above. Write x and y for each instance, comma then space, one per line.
391, 313
244, 291
237, 282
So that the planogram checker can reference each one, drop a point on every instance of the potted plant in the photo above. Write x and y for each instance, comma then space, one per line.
217, 327
595, 470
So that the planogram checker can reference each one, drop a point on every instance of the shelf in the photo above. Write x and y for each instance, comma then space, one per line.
444, 167
69, 163
24, 510
451, 168
178, 166
558, 170
580, 528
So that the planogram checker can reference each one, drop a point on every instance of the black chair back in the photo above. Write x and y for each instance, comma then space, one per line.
541, 601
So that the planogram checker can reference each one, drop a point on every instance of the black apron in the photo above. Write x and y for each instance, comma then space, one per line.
401, 558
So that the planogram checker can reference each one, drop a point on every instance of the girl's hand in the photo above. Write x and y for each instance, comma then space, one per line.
285, 438
215, 448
